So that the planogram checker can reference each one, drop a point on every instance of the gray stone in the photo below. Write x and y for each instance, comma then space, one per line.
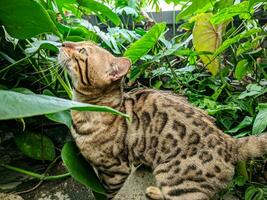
135, 186
4, 196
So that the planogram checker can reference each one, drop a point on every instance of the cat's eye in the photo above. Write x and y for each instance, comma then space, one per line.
83, 51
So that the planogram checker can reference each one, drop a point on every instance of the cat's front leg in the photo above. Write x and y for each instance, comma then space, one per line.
113, 179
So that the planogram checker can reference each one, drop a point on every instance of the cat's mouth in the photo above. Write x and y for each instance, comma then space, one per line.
63, 58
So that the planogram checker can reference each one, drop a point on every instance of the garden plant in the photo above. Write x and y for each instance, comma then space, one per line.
217, 59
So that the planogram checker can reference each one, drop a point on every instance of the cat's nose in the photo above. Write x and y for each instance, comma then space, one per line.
68, 44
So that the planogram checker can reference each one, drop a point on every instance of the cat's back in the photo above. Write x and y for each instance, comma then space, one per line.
170, 105
169, 116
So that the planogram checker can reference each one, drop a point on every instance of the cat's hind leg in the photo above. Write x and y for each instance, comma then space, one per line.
178, 182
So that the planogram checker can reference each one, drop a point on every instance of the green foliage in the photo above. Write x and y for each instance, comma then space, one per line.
17, 105
21, 22
260, 122
36, 146
224, 36
194, 8
256, 193
144, 45
242, 9
100, 8
241, 69
227, 43
79, 168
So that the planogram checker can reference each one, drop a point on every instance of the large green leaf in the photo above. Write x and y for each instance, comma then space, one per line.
43, 44
36, 146
207, 37
63, 117
227, 43
17, 105
195, 6
77, 31
241, 69
260, 122
25, 18
244, 123
79, 168
228, 13
144, 44
100, 8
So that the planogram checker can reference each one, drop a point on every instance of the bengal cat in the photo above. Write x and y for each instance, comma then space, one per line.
190, 157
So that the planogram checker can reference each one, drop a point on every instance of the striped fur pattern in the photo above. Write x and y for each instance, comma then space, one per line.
191, 158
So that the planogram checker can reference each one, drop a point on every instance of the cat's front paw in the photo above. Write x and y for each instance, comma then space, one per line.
154, 193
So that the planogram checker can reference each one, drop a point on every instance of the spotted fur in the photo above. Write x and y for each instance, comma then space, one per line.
191, 158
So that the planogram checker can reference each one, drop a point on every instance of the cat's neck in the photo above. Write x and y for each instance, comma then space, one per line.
111, 96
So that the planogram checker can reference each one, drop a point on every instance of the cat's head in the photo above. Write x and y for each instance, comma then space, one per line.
92, 66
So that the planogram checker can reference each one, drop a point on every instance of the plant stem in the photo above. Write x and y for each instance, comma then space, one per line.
35, 175
15, 63
173, 72
242, 169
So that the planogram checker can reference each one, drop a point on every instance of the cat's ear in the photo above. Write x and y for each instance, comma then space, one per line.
120, 67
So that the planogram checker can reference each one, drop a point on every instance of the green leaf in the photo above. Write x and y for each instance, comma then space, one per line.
255, 193
251, 90
63, 117
253, 2
79, 168
36, 146
240, 180
43, 44
207, 37
227, 43
244, 123
17, 105
25, 18
222, 4
145, 43
229, 12
260, 122
195, 6
241, 69
77, 31
100, 9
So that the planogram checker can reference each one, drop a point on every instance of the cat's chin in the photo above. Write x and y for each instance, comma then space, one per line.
63, 59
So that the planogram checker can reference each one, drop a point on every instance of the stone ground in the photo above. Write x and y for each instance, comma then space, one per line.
68, 189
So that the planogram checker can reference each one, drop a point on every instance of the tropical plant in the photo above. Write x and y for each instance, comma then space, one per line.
217, 59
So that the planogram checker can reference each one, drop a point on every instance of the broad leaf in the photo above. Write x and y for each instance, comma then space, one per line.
17, 105
144, 44
25, 18
62, 117
43, 44
227, 43
244, 123
241, 69
222, 4
36, 146
228, 13
253, 2
260, 122
79, 168
207, 37
77, 31
100, 9
195, 6
251, 90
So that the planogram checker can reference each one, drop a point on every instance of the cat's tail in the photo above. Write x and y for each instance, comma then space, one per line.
251, 147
